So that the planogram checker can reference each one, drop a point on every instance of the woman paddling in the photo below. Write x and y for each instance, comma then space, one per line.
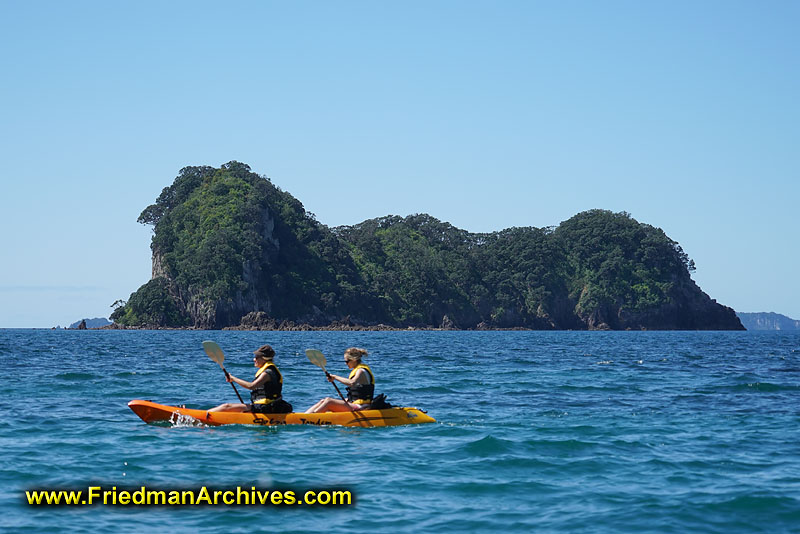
360, 386
265, 389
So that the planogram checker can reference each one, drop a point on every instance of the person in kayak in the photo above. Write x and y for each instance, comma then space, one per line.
360, 386
265, 389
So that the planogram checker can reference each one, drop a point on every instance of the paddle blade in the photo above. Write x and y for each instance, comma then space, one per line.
316, 357
214, 352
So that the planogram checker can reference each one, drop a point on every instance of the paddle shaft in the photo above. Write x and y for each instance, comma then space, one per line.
227, 375
355, 413
256, 418
339, 392
317, 358
214, 352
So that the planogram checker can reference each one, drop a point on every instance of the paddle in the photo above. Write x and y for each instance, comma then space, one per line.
215, 353
317, 358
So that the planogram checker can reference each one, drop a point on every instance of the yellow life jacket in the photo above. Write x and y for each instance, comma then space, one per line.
270, 390
361, 393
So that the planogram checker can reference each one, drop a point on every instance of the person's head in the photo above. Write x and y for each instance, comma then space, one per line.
353, 355
263, 354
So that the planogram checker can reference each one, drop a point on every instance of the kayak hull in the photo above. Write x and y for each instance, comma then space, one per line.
152, 412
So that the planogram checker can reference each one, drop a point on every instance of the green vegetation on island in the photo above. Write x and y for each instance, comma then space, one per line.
230, 248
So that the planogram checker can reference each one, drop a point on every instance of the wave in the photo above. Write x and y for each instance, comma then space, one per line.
557, 446
773, 506
77, 376
432, 389
489, 446
750, 387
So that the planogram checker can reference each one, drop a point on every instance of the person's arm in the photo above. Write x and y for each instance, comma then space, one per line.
263, 377
349, 381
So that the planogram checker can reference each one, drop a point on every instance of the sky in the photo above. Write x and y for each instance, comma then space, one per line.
486, 115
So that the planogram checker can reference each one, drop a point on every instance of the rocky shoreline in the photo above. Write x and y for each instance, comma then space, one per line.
289, 326
261, 322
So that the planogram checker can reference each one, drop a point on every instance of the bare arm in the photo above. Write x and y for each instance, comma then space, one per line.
359, 378
263, 377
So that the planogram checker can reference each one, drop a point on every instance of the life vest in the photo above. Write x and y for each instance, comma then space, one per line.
361, 393
270, 390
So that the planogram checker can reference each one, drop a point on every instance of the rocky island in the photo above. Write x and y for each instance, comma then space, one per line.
231, 249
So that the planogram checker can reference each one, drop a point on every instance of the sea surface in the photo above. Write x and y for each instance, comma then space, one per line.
537, 432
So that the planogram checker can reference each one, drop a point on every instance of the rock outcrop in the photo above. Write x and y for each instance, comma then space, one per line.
231, 250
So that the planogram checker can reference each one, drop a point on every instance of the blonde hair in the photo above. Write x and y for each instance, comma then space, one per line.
354, 353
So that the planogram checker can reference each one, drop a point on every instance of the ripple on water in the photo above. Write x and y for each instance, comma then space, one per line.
487, 446
77, 376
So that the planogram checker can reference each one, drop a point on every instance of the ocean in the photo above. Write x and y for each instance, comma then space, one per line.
537, 432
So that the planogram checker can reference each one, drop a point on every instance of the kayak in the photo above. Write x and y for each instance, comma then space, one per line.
152, 412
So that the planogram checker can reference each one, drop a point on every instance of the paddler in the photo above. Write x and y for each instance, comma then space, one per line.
360, 386
265, 389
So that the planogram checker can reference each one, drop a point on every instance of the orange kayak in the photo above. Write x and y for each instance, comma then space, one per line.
152, 412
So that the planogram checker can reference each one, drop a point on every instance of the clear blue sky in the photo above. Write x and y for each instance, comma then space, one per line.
483, 114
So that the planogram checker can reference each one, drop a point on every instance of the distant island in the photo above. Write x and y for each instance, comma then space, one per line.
232, 250
97, 322
767, 321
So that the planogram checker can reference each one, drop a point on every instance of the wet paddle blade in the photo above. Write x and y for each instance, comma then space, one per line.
316, 357
214, 352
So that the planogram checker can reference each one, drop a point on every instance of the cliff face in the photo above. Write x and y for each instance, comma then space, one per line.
689, 309
227, 242
684, 307
768, 321
247, 296
229, 247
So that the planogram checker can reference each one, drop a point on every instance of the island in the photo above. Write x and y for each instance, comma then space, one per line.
86, 323
768, 321
232, 250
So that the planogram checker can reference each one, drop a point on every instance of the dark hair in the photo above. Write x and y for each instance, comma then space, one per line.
265, 351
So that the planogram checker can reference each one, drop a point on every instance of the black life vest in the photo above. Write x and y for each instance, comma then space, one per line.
361, 393
270, 390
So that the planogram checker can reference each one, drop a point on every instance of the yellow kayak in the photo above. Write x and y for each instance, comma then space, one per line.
152, 412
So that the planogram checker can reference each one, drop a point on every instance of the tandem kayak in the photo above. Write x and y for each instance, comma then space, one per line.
152, 412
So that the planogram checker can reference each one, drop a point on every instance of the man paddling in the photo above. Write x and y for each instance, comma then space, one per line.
265, 389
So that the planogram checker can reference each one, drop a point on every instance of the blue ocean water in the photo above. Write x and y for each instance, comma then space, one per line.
537, 431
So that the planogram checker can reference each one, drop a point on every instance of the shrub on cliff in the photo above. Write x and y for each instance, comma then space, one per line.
151, 305
418, 267
616, 263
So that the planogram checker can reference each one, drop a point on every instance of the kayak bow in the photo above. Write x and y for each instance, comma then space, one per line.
152, 412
